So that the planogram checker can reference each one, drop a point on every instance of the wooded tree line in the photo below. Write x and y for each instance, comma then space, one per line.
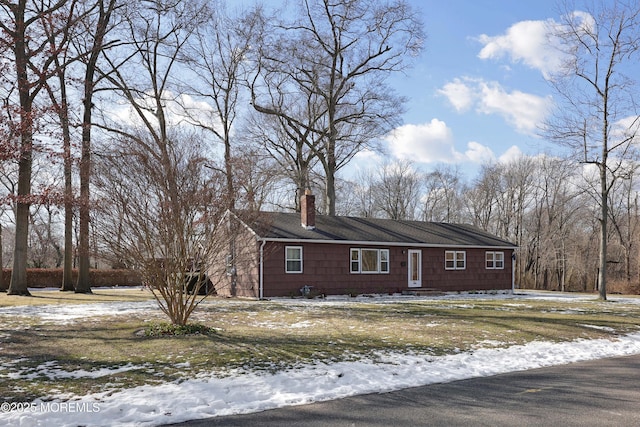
132, 126
140, 122
544, 204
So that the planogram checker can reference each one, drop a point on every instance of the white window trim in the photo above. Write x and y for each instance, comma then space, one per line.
494, 260
286, 260
501, 261
457, 256
387, 262
352, 261
379, 262
376, 253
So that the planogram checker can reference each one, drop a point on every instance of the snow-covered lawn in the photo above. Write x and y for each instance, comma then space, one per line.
242, 391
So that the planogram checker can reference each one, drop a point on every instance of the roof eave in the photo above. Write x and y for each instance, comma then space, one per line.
376, 243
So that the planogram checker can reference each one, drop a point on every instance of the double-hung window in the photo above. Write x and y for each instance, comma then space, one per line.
369, 261
494, 260
293, 259
455, 260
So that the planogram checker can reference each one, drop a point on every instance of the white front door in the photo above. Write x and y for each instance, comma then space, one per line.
415, 268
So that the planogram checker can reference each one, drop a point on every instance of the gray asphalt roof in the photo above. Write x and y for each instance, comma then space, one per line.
286, 226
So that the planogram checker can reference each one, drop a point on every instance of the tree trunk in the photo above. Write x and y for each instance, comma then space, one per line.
18, 284
228, 169
1, 263
67, 269
604, 212
83, 285
331, 164
302, 179
330, 192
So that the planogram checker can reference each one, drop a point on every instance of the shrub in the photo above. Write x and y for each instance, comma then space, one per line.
171, 329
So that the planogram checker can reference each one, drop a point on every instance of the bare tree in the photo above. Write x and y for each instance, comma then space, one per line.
336, 57
499, 197
597, 116
255, 175
443, 195
397, 190
287, 143
8, 151
623, 214
78, 43
169, 225
551, 223
480, 198
46, 249
216, 56
514, 187
95, 31
61, 105
57, 90
361, 195
284, 121
21, 29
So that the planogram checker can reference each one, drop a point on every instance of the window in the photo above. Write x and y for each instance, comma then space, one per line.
293, 259
455, 260
355, 260
494, 260
369, 261
384, 260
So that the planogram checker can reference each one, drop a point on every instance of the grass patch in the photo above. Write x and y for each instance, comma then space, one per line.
104, 353
44, 297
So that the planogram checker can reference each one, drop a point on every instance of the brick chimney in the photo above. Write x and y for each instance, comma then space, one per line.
308, 210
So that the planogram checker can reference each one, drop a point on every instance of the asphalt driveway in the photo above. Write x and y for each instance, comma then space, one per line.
602, 392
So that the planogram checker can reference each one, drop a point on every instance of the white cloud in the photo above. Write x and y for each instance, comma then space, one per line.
478, 153
529, 42
535, 43
425, 143
512, 154
627, 128
362, 161
433, 142
584, 21
459, 94
525, 112
368, 155
180, 110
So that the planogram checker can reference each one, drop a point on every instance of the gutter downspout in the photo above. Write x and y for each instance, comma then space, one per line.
261, 291
513, 272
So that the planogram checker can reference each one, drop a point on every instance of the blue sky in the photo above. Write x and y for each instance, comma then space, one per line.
477, 93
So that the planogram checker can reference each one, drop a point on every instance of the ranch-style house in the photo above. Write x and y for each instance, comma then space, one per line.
289, 254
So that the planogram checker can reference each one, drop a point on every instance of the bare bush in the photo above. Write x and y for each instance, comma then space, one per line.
158, 212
